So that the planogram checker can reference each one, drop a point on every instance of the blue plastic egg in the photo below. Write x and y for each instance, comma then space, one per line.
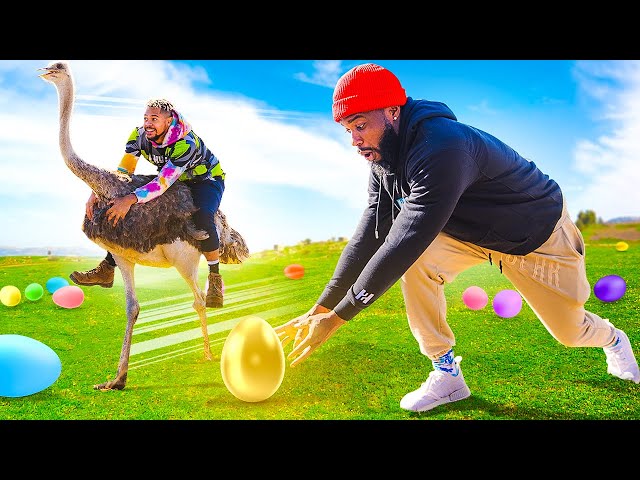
27, 366
55, 283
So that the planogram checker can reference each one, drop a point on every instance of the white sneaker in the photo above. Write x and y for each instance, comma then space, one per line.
621, 361
439, 388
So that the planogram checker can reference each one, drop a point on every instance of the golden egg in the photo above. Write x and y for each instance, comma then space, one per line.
252, 362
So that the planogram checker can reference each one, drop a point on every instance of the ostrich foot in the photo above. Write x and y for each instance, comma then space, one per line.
117, 384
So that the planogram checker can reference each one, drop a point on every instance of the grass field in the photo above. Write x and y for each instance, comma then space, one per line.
514, 368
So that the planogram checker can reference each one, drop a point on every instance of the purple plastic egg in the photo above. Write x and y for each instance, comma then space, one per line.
610, 288
507, 303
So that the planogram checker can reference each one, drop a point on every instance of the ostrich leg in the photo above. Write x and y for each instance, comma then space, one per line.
133, 309
186, 263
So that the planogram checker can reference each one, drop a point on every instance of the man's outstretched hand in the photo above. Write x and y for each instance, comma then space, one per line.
308, 332
288, 332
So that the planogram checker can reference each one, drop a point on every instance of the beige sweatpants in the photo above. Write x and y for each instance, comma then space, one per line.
552, 280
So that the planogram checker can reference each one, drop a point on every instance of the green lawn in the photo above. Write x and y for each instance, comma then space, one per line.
514, 368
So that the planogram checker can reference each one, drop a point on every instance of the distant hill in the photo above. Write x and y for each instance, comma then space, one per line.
47, 251
624, 220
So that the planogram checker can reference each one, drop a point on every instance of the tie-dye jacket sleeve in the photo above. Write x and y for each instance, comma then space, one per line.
156, 187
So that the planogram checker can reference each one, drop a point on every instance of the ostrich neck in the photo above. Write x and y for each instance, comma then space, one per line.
104, 183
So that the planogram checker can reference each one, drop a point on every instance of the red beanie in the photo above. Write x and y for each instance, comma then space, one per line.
364, 88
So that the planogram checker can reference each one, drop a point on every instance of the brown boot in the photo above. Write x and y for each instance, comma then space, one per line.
101, 275
214, 292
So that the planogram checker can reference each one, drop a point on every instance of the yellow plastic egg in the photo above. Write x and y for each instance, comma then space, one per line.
252, 362
622, 246
10, 296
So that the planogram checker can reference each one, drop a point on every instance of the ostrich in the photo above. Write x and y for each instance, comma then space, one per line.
160, 233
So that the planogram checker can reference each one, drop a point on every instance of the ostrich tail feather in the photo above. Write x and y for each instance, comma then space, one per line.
233, 248
236, 251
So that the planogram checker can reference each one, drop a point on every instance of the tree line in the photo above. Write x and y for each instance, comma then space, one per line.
586, 218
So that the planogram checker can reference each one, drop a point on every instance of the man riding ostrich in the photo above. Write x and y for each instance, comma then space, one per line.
167, 220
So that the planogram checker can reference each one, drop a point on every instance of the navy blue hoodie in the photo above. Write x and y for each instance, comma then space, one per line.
448, 177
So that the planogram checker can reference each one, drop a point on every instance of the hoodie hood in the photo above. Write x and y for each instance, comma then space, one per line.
178, 129
415, 112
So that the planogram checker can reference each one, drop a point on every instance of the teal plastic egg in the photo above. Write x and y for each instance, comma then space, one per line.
55, 283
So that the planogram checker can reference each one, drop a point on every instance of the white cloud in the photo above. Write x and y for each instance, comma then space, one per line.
326, 73
610, 162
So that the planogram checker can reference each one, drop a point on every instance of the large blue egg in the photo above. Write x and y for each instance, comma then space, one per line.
27, 366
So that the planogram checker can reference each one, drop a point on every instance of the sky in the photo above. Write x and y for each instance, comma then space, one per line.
291, 171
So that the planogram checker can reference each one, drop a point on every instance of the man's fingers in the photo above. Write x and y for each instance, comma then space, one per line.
294, 331
301, 335
302, 357
298, 345
285, 334
284, 340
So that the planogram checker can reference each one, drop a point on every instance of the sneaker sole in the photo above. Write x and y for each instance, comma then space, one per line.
454, 397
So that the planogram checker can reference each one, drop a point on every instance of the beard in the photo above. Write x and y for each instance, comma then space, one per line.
388, 151
153, 138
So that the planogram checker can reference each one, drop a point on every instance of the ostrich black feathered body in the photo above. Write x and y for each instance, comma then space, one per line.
165, 219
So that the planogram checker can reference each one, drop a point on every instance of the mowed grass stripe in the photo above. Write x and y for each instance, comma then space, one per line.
190, 295
194, 333
187, 307
195, 318
172, 354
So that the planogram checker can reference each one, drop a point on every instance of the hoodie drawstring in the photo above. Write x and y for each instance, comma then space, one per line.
491, 263
378, 206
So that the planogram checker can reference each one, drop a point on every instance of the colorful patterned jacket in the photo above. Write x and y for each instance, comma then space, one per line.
183, 156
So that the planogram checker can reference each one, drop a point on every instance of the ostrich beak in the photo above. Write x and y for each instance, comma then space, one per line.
47, 71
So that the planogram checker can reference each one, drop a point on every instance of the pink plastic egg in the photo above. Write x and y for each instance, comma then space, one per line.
475, 298
70, 296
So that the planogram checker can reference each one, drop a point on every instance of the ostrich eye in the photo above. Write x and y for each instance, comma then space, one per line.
59, 66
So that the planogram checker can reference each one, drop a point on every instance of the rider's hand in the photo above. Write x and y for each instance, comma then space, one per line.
88, 209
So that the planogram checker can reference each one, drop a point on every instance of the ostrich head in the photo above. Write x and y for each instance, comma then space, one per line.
56, 72
104, 183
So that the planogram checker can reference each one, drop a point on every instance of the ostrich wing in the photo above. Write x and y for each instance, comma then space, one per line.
164, 220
